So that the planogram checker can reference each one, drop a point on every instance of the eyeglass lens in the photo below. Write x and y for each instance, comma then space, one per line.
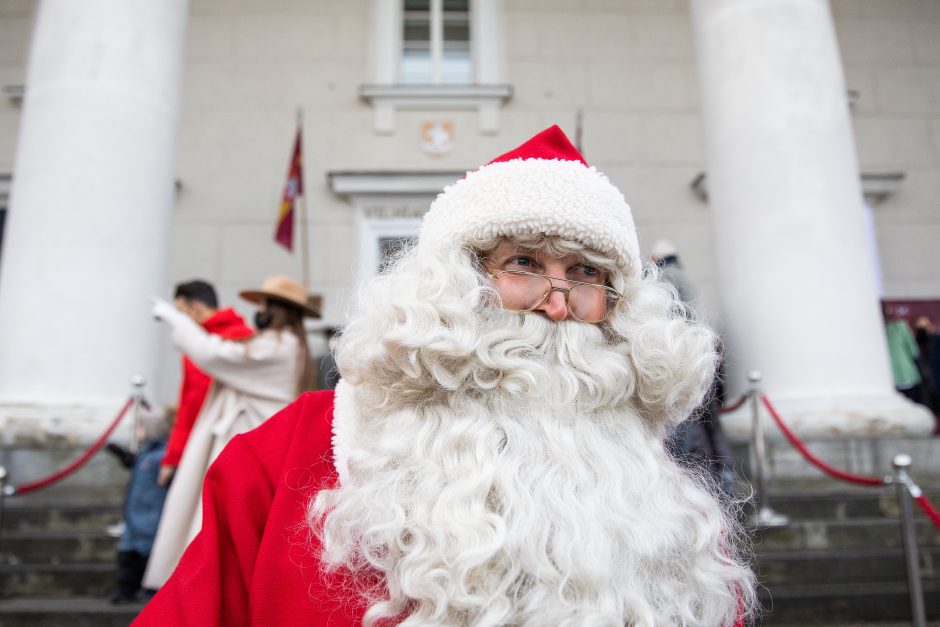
523, 292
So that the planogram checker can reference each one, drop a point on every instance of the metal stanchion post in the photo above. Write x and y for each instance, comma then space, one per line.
137, 381
765, 516
902, 480
3, 496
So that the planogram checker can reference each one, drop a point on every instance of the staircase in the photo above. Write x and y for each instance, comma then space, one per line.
58, 562
840, 561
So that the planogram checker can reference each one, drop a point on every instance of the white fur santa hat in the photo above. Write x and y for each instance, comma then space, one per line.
542, 187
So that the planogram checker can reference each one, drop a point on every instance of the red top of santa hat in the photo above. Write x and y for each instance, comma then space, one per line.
551, 143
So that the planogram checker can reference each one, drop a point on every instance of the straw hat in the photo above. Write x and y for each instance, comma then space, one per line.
286, 290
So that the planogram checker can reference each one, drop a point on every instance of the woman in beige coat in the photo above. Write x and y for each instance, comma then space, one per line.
254, 379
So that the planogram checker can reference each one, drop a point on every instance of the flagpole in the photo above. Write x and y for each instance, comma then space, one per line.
304, 244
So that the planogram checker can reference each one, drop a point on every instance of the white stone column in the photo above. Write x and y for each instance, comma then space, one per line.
488, 34
798, 296
91, 203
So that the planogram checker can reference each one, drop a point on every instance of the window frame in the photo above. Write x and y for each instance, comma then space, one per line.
437, 44
486, 94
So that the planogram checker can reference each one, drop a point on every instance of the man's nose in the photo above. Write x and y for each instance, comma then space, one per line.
555, 307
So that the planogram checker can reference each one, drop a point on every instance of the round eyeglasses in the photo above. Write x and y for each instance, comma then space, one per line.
524, 291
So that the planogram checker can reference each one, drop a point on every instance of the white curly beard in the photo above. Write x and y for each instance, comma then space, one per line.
537, 495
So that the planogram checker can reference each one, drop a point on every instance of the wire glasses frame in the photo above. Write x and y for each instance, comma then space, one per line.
611, 297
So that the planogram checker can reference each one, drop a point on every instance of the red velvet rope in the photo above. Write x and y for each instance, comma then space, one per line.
929, 509
26, 488
735, 405
823, 466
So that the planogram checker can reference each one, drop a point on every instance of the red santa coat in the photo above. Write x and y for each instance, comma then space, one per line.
254, 562
195, 386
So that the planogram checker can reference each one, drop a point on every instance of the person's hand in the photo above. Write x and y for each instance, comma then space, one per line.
165, 475
166, 312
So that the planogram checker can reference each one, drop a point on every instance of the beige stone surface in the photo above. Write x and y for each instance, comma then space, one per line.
894, 142
612, 137
9, 127
648, 85
663, 36
674, 138
908, 90
627, 65
559, 84
876, 41
15, 29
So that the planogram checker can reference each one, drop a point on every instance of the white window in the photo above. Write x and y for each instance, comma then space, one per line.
381, 239
435, 46
437, 55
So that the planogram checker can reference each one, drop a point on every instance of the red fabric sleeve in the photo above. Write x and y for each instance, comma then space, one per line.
193, 393
196, 384
211, 585
252, 563
236, 332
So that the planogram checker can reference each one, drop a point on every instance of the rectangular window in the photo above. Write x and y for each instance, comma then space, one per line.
436, 43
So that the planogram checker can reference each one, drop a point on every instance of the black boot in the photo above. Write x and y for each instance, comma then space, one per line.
131, 566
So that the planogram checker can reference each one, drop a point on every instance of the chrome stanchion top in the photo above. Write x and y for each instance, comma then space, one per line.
902, 463
765, 516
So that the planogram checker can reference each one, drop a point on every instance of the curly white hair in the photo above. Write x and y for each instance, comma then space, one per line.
498, 468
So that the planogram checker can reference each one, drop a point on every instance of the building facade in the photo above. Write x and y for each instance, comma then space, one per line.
729, 129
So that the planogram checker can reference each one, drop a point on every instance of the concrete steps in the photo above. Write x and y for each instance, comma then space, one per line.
842, 534
851, 566
57, 580
58, 560
71, 612
44, 517
846, 604
840, 561
36, 547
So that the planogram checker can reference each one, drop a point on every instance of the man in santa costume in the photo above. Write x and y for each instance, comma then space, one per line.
494, 452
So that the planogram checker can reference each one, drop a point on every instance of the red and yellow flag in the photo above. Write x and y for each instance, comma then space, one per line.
293, 188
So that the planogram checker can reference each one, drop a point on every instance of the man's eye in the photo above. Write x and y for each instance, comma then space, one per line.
590, 274
522, 262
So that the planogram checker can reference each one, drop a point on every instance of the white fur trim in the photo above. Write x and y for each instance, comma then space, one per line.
531, 196
344, 427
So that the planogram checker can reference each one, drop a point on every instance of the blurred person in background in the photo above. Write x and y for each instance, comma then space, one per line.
253, 379
327, 374
928, 345
904, 353
143, 503
699, 440
666, 257
197, 299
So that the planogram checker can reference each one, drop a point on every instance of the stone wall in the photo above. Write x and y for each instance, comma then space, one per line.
626, 65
